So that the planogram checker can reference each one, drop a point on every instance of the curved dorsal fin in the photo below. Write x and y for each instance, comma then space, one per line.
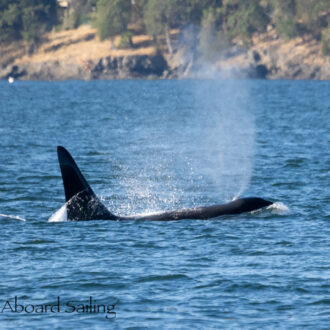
81, 201
73, 181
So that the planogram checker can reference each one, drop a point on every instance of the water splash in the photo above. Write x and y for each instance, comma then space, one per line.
225, 134
223, 121
60, 215
14, 217
277, 208
198, 150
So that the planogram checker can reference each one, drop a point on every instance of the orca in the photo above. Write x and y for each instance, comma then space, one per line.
82, 204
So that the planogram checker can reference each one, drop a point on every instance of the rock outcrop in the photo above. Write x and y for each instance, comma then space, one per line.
138, 66
270, 57
126, 67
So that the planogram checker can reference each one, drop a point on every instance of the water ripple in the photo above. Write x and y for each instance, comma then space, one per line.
156, 145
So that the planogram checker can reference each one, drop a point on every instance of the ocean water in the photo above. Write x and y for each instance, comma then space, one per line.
146, 146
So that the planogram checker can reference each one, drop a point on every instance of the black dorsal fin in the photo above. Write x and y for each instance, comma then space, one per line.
73, 181
81, 201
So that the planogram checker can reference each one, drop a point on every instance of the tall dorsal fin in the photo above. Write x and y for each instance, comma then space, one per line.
81, 201
73, 181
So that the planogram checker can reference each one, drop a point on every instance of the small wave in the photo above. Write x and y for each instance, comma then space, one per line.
278, 207
324, 301
38, 241
156, 278
60, 215
14, 217
275, 208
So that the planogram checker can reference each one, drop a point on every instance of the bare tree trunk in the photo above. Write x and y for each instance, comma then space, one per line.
112, 43
168, 40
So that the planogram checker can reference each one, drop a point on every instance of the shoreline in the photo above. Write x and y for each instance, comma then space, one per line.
80, 55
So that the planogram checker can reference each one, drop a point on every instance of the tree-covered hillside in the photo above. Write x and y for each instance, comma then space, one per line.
26, 19
218, 22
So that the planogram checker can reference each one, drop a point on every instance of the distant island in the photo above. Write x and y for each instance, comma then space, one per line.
111, 39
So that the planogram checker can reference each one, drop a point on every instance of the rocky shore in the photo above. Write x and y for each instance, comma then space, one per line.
80, 55
270, 57
126, 67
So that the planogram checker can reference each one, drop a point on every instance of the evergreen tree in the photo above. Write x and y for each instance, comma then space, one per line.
161, 16
38, 16
218, 21
112, 17
213, 40
325, 42
79, 12
27, 19
313, 15
10, 20
284, 16
245, 17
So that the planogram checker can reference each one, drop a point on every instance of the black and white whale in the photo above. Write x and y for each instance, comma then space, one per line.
82, 204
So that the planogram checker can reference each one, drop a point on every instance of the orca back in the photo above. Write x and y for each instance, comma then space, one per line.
83, 204
81, 201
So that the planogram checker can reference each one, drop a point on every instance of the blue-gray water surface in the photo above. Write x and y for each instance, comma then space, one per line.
160, 145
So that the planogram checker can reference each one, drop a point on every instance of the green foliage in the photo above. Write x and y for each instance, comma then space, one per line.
194, 9
286, 27
79, 12
313, 15
10, 22
83, 11
112, 17
218, 21
125, 40
138, 7
26, 19
284, 17
245, 17
212, 40
155, 17
159, 16
325, 42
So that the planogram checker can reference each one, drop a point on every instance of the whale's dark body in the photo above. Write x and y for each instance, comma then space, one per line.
83, 204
